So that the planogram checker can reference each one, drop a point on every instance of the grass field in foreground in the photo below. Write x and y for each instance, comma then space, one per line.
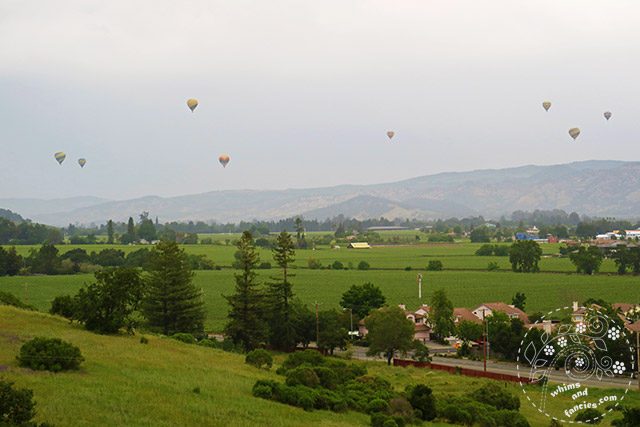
125, 383
544, 291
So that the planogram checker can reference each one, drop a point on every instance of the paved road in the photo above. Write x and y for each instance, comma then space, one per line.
504, 368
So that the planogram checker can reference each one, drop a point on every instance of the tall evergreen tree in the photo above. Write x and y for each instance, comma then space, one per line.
110, 232
246, 325
130, 235
173, 303
280, 312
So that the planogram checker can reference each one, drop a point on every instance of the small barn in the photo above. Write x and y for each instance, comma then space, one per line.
359, 245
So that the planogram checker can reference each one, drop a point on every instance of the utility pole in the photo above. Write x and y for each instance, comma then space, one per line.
420, 285
484, 341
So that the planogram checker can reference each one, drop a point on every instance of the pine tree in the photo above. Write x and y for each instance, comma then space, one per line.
130, 235
246, 325
280, 315
110, 232
173, 303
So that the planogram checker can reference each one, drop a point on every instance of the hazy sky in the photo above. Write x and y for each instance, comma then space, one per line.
301, 93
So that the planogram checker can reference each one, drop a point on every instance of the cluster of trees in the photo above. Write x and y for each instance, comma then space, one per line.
10, 261
165, 296
314, 382
47, 260
26, 233
269, 313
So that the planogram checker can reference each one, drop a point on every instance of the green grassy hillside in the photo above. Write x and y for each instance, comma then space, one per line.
126, 383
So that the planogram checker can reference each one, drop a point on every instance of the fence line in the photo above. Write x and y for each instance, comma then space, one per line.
462, 371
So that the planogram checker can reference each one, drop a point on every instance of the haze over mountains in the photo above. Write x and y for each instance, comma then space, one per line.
597, 188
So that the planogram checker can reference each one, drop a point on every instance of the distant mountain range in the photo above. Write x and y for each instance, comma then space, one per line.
596, 188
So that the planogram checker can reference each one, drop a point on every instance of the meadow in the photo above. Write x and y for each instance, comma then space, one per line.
465, 278
123, 382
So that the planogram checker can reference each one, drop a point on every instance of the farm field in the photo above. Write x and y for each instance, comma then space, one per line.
123, 382
544, 291
456, 256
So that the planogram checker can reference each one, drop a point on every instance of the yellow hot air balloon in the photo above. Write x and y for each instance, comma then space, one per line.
390, 134
192, 104
574, 132
60, 156
224, 160
546, 105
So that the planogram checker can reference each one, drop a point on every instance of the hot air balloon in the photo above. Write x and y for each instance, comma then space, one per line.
574, 132
192, 104
607, 115
546, 105
390, 134
82, 162
224, 160
60, 156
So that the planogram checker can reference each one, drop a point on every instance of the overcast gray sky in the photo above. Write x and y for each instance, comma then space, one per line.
301, 93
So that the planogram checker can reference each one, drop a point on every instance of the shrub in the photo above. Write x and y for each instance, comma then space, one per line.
314, 264
434, 265
49, 354
631, 417
494, 395
211, 343
378, 419
337, 265
377, 405
510, 418
589, 416
302, 375
63, 305
265, 265
259, 358
363, 265
17, 406
485, 250
312, 357
493, 266
407, 268
9, 299
501, 250
328, 377
421, 398
144, 340
185, 338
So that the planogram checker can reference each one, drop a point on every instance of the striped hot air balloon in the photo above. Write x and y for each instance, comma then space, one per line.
82, 162
574, 132
607, 115
546, 105
224, 160
60, 156
390, 134
192, 104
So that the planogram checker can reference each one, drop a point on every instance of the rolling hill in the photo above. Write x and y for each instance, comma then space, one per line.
596, 188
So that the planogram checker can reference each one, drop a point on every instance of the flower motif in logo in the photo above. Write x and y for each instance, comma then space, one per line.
579, 362
549, 350
562, 342
613, 333
581, 328
619, 368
